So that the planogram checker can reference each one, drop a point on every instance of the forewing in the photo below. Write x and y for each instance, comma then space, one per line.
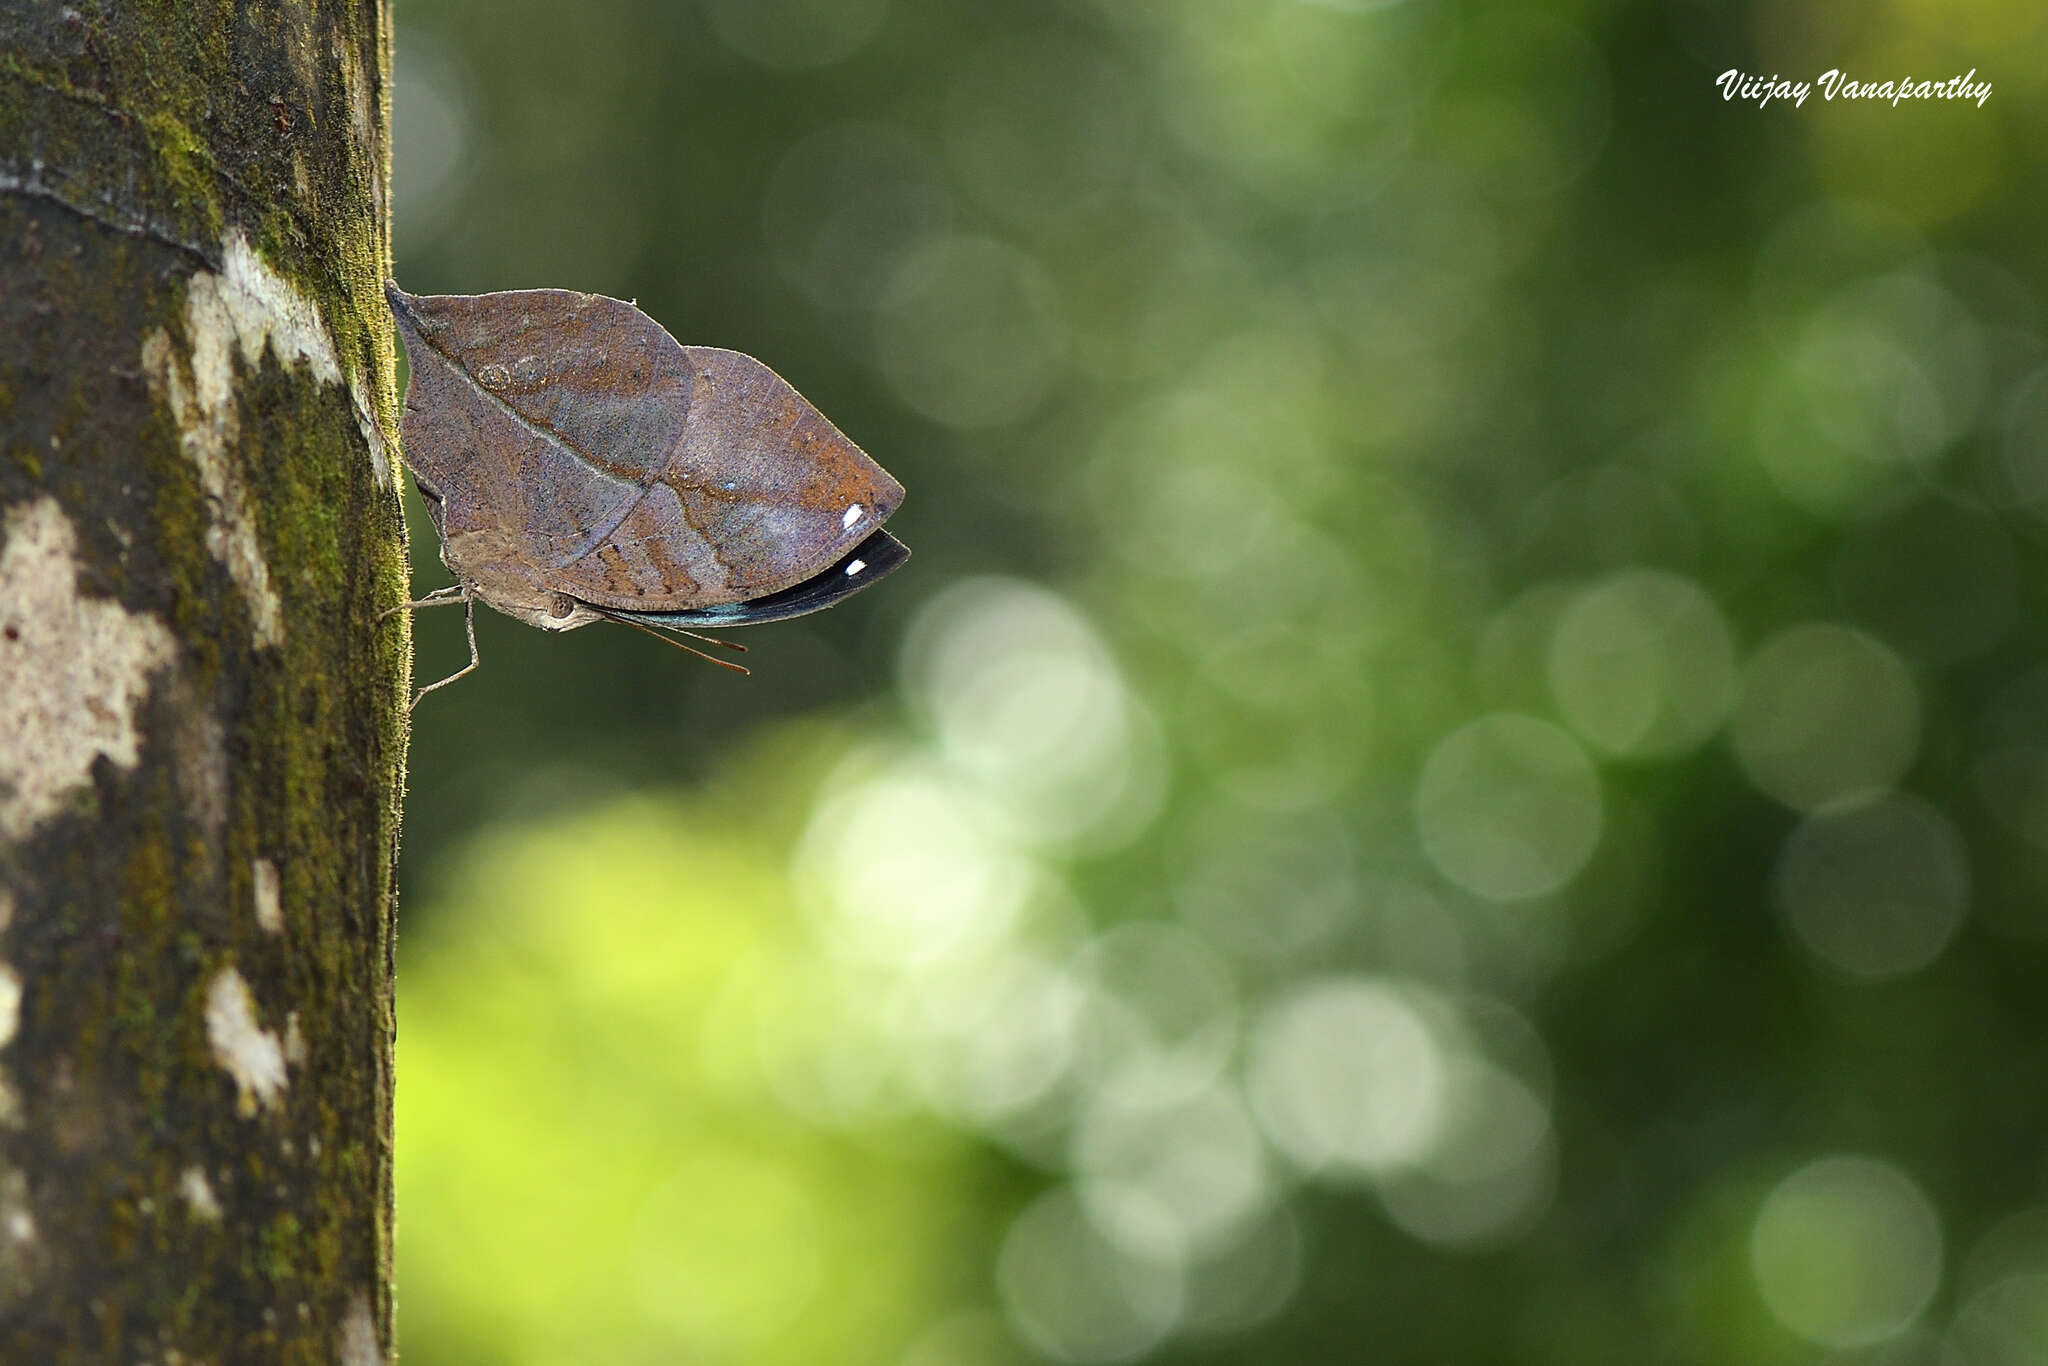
545, 413
762, 493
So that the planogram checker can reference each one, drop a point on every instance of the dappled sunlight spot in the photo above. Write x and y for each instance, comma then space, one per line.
1508, 807
992, 1037
970, 332
1825, 714
1172, 1179
1025, 701
1642, 665
843, 207
1846, 1251
1078, 1297
1160, 1020
909, 864
796, 35
1492, 1172
1347, 1079
1875, 890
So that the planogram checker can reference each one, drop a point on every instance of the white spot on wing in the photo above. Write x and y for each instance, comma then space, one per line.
855, 568
852, 516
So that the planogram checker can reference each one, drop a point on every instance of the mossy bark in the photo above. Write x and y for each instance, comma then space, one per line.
201, 717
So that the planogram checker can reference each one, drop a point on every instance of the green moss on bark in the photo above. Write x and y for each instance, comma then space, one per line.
132, 139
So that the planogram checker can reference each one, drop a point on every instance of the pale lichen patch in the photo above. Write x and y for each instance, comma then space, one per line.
247, 306
72, 671
200, 743
269, 907
373, 435
10, 1003
294, 1040
249, 1053
17, 1222
358, 1344
198, 1193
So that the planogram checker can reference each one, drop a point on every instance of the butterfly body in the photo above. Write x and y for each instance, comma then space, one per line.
581, 464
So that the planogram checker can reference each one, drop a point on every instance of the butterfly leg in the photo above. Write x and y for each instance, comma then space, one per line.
440, 597
468, 601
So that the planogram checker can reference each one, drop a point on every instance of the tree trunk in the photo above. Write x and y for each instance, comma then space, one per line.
201, 717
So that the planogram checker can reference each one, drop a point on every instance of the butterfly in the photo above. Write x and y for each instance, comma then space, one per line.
581, 465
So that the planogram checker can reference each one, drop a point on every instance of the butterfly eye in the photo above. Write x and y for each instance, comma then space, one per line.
563, 606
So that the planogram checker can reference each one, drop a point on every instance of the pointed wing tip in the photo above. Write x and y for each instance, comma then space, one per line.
401, 304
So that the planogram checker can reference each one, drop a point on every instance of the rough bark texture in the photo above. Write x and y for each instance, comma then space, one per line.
201, 718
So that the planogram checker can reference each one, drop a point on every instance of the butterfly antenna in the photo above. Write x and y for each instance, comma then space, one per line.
668, 640
732, 645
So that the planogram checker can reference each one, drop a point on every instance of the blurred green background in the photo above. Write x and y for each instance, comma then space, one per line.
1460, 774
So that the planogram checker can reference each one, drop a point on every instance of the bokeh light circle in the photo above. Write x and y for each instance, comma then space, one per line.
1170, 1179
1075, 1295
1492, 1172
1642, 664
1825, 714
1846, 1251
2006, 1323
1024, 698
1346, 1076
1876, 890
970, 332
908, 864
1508, 807
1161, 1016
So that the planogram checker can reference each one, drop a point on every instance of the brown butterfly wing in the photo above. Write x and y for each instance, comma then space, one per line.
760, 493
543, 414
